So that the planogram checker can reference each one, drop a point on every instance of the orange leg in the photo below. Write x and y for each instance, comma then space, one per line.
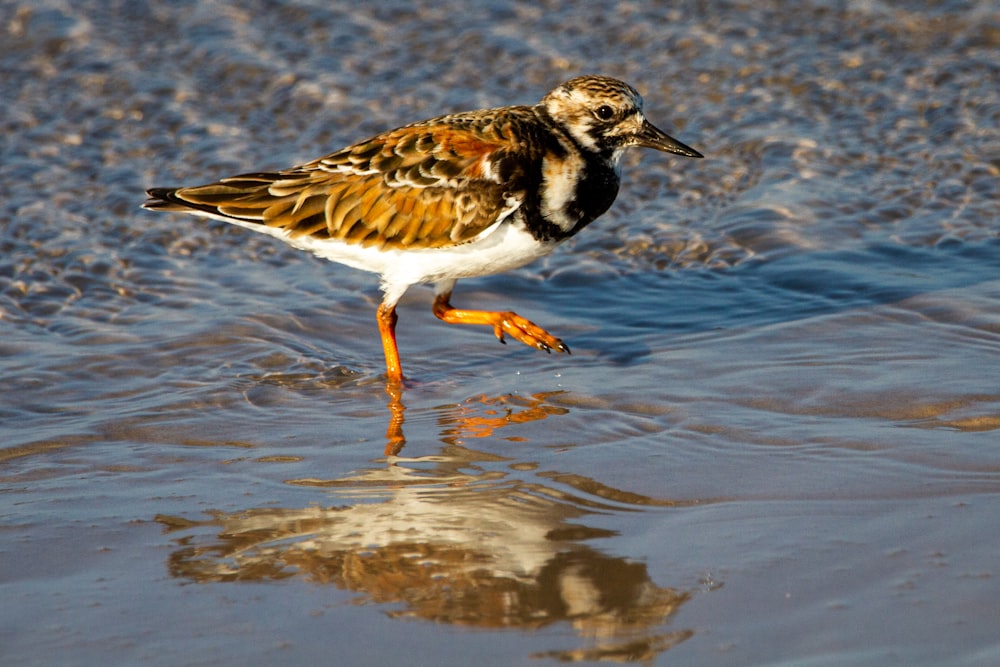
387, 328
507, 322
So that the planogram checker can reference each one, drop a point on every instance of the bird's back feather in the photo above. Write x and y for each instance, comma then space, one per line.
432, 184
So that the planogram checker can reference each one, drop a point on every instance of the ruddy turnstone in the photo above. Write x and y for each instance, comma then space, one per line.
463, 195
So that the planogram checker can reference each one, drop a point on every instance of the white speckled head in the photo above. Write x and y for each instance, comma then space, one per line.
605, 115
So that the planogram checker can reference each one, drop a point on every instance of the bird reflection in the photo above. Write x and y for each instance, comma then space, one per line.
478, 418
462, 537
394, 438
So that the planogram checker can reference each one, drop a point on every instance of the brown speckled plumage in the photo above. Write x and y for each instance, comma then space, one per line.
455, 196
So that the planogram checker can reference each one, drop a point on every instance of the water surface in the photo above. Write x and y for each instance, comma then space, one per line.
775, 441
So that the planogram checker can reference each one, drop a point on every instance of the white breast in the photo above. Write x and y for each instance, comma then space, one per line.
506, 246
560, 177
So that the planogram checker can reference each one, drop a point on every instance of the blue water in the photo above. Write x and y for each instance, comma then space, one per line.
775, 441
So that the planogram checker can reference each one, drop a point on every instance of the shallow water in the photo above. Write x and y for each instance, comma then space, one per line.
775, 440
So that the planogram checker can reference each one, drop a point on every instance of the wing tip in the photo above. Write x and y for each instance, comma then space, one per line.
162, 199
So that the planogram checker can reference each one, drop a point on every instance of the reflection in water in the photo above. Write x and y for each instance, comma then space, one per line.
394, 438
458, 538
478, 418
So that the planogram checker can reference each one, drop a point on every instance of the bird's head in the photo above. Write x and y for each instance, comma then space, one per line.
604, 115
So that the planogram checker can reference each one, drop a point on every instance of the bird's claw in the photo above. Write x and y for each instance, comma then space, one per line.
528, 333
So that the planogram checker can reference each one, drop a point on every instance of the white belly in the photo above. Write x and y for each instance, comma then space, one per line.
502, 248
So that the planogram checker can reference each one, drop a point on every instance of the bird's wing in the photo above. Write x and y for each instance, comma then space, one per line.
432, 184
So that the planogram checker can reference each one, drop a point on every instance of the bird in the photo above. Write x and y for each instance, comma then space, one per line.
457, 196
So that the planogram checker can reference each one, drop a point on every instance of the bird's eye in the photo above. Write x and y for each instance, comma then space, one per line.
604, 112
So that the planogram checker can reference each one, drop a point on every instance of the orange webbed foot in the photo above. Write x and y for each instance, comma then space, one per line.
503, 322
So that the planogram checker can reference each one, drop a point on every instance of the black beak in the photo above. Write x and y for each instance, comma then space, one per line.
651, 136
